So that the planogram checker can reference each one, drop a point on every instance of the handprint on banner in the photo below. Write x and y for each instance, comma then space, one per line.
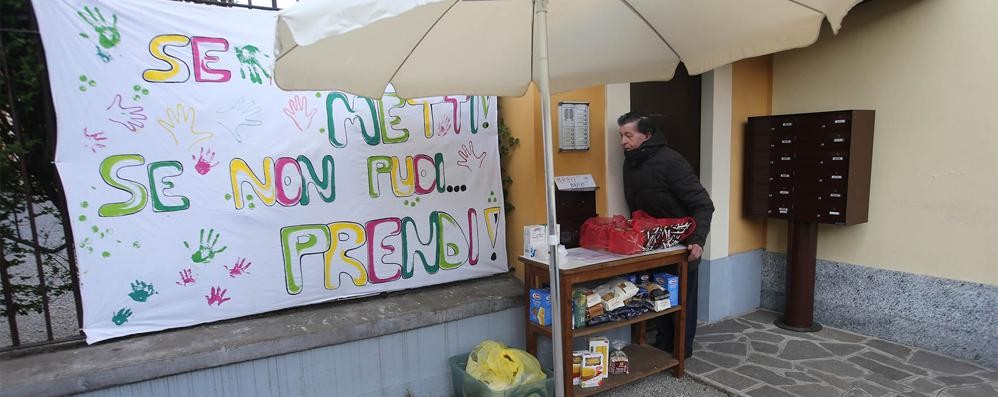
203, 162
239, 268
249, 63
186, 278
299, 113
445, 126
141, 291
217, 296
243, 113
206, 250
94, 140
467, 152
121, 316
108, 34
183, 120
130, 117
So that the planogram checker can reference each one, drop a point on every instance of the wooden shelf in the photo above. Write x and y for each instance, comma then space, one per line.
644, 361
544, 330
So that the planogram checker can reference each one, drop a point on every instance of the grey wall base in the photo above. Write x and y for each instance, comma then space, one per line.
953, 317
410, 363
381, 345
729, 286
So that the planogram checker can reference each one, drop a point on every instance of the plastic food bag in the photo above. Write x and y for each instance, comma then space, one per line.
501, 367
595, 232
626, 241
619, 364
662, 233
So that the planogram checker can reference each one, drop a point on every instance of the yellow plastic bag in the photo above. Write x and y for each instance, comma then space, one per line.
501, 367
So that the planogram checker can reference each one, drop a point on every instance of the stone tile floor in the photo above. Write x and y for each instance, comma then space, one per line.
750, 356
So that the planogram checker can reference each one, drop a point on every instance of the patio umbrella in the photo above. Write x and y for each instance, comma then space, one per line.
498, 47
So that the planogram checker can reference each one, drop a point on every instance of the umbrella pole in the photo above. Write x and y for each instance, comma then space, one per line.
557, 335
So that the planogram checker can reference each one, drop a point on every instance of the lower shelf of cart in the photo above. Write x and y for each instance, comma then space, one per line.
644, 360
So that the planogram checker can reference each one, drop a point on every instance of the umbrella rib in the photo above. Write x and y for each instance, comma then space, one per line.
807, 6
533, 25
626, 3
442, 14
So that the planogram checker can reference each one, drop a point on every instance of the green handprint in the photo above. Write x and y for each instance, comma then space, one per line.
248, 62
121, 316
206, 250
141, 291
109, 35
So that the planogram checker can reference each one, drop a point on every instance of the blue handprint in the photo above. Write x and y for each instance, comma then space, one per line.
121, 316
141, 291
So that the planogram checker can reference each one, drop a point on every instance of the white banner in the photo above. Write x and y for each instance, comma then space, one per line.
200, 191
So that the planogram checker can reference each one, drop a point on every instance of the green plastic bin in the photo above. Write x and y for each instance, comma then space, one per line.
467, 386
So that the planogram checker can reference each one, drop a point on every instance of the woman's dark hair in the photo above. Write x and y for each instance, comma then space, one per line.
645, 125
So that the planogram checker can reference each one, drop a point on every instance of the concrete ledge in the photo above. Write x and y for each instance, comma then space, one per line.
150, 356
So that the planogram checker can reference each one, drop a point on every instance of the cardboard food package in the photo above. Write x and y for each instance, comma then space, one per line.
592, 372
577, 366
601, 345
540, 306
670, 283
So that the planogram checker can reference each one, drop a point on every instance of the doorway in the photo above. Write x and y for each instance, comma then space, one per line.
674, 106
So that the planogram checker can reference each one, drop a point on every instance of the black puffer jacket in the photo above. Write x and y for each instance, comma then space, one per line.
658, 180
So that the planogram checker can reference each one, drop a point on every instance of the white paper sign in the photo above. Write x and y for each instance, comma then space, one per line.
200, 191
575, 182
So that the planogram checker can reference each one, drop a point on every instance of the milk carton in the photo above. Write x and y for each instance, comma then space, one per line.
535, 243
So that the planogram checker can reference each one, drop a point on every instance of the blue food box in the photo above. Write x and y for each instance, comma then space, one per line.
671, 284
540, 306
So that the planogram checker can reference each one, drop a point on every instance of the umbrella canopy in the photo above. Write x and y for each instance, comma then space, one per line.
498, 47
439, 47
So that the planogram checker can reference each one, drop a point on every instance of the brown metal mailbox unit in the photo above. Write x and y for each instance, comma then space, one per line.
810, 166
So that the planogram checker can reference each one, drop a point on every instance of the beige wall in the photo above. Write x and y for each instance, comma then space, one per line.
526, 164
751, 93
930, 70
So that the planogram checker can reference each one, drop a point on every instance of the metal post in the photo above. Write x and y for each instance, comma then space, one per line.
540, 14
802, 249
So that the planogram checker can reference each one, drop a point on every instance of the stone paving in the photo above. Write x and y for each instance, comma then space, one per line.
752, 357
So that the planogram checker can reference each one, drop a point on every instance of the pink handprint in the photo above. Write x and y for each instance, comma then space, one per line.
467, 152
186, 278
95, 140
130, 117
299, 113
445, 126
239, 268
203, 162
217, 296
